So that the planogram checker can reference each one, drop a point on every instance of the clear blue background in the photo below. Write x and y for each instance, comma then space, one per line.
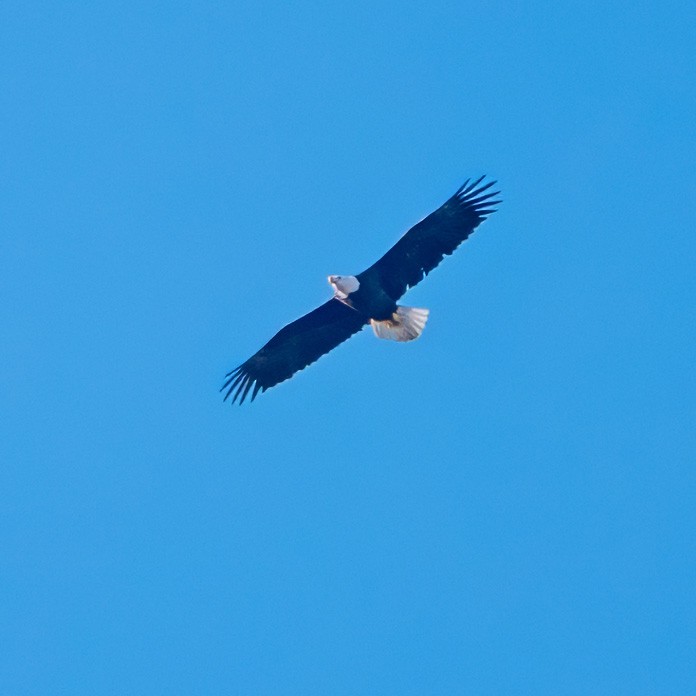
507, 505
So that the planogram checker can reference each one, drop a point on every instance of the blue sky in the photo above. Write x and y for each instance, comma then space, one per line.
507, 505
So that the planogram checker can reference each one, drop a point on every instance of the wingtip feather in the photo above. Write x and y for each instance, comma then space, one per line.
240, 386
479, 199
462, 187
232, 382
249, 384
466, 189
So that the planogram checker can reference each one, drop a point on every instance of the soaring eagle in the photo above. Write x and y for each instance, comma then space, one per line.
368, 298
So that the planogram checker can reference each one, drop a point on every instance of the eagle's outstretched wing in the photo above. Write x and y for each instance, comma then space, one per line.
294, 347
423, 247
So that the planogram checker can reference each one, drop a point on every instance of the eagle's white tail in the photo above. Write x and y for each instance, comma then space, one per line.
406, 324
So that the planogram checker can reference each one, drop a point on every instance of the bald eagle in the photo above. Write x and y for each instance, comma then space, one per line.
369, 297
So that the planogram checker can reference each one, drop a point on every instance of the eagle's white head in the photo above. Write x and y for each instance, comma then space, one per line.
343, 285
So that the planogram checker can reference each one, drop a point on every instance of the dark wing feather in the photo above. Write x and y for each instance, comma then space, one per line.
423, 247
293, 348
